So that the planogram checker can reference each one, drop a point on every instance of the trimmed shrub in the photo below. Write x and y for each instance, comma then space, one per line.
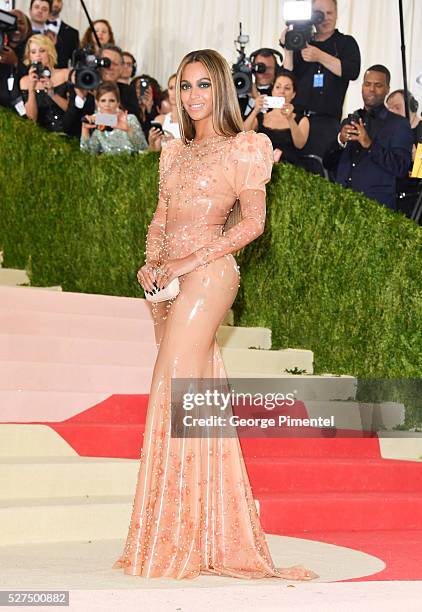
334, 272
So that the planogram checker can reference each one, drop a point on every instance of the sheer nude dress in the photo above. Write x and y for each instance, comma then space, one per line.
193, 511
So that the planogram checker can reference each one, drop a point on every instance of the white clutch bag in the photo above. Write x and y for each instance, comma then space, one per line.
161, 295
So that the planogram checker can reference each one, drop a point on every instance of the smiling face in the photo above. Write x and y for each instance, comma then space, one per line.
283, 86
103, 32
108, 103
39, 12
374, 89
38, 53
22, 31
196, 92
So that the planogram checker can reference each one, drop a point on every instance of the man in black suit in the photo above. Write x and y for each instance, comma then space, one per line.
374, 146
67, 38
83, 102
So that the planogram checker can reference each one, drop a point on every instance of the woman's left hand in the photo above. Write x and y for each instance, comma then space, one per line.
172, 268
122, 123
288, 111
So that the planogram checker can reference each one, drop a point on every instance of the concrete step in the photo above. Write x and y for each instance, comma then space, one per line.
317, 387
75, 377
62, 349
55, 349
230, 336
67, 519
12, 278
60, 477
69, 325
32, 441
28, 406
268, 362
35, 299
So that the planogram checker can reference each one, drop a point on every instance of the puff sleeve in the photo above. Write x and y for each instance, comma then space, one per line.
157, 227
248, 169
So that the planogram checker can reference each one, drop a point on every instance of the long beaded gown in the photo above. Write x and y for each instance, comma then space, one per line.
193, 511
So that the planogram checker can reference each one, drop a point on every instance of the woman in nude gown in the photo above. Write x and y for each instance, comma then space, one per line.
193, 511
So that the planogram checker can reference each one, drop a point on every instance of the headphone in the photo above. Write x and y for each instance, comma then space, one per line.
411, 100
276, 54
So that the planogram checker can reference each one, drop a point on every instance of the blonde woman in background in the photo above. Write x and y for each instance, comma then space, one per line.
44, 93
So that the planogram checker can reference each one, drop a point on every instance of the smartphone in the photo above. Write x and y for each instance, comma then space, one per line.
7, 5
158, 126
274, 101
355, 117
106, 119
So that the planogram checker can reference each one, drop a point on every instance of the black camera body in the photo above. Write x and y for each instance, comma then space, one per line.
302, 32
8, 23
41, 70
86, 67
244, 68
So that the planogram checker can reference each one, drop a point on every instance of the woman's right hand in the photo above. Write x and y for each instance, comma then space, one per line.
147, 275
259, 104
32, 79
154, 139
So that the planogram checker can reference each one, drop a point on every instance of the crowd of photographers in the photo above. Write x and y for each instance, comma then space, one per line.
88, 88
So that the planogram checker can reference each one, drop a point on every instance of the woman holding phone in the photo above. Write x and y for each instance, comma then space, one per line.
287, 130
193, 511
123, 135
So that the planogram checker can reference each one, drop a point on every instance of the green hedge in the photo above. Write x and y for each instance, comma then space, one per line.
334, 272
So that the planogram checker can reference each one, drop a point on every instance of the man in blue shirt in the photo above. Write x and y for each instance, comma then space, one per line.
374, 146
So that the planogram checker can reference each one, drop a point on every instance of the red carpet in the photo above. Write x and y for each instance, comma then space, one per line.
336, 490
401, 551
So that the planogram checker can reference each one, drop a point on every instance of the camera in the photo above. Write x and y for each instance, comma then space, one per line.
301, 20
8, 23
86, 67
243, 69
41, 70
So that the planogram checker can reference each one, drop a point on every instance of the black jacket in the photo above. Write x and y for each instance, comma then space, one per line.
67, 42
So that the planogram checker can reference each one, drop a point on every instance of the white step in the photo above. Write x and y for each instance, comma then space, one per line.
75, 377
244, 337
51, 477
34, 406
324, 387
85, 518
32, 441
268, 362
12, 278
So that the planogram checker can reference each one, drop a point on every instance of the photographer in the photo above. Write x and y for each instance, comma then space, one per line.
12, 68
287, 130
125, 137
374, 146
263, 81
44, 88
323, 69
113, 74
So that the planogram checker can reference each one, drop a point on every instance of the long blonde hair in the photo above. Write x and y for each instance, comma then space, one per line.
42, 41
226, 116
